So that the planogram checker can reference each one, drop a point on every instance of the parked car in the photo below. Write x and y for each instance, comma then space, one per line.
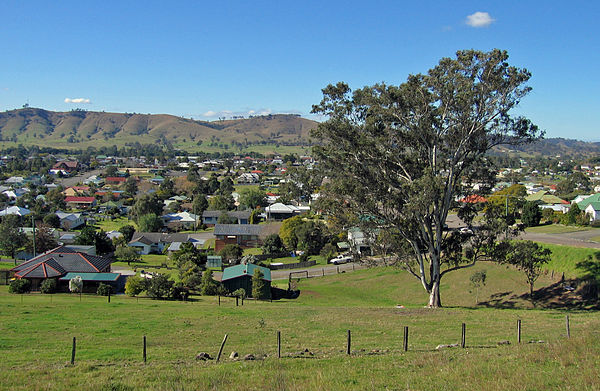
340, 259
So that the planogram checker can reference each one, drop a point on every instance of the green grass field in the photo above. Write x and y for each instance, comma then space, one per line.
114, 225
37, 330
565, 258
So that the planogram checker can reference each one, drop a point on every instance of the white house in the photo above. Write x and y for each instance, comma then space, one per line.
593, 210
70, 221
15, 210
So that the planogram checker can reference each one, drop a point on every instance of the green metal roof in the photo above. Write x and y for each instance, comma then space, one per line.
242, 270
593, 198
92, 276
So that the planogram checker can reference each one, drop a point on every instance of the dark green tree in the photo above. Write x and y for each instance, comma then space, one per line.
231, 253
127, 231
208, 286
150, 223
159, 286
399, 156
127, 254
272, 245
89, 236
52, 220
251, 198
221, 202
11, 237
531, 214
254, 217
148, 203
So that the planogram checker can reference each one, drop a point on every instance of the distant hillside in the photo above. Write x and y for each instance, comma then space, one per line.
555, 147
78, 128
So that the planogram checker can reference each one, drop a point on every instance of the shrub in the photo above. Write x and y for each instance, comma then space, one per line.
104, 290
328, 251
531, 215
241, 293
179, 292
261, 289
159, 286
19, 286
208, 286
48, 285
135, 285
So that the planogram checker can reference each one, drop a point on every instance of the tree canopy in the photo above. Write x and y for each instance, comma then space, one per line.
399, 156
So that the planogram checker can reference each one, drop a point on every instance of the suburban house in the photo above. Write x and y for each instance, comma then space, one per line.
156, 242
115, 180
240, 276
76, 191
593, 210
15, 210
245, 235
210, 217
65, 167
61, 261
80, 202
69, 221
279, 211
548, 201
182, 219
14, 194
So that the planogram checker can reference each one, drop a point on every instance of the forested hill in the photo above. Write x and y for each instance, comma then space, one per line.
79, 128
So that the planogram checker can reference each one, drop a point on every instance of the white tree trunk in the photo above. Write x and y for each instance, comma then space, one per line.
434, 295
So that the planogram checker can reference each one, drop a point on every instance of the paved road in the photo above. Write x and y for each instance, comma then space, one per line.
72, 181
575, 239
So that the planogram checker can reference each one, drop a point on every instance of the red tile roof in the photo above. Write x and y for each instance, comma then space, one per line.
80, 199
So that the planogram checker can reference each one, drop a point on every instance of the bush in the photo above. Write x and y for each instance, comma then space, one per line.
135, 285
208, 286
261, 289
48, 285
273, 245
19, 286
104, 290
241, 293
531, 215
179, 292
328, 251
159, 286
231, 253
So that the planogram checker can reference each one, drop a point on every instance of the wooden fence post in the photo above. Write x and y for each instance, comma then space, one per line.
242, 300
109, 296
73, 352
518, 330
219, 300
568, 326
348, 343
338, 269
405, 342
237, 301
278, 344
323, 270
464, 335
144, 355
221, 348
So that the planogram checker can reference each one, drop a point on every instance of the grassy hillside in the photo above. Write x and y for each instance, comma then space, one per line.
36, 336
80, 129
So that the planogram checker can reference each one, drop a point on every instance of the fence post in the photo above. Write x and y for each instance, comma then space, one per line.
568, 326
518, 330
338, 269
219, 300
278, 344
464, 335
109, 296
144, 349
323, 270
237, 301
405, 342
348, 344
73, 352
242, 300
221, 348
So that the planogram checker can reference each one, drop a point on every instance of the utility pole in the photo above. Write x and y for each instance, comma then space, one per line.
33, 226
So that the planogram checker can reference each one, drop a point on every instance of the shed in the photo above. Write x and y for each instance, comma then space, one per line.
240, 276
214, 261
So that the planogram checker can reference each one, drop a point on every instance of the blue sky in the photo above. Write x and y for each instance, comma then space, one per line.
207, 59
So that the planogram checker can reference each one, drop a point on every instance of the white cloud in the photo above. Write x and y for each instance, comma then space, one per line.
479, 19
78, 100
230, 113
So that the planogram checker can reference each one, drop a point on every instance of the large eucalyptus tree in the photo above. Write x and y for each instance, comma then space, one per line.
399, 157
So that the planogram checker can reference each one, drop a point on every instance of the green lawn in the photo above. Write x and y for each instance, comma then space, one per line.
114, 225
37, 331
566, 258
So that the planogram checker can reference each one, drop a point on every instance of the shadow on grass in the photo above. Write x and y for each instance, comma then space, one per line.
570, 294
